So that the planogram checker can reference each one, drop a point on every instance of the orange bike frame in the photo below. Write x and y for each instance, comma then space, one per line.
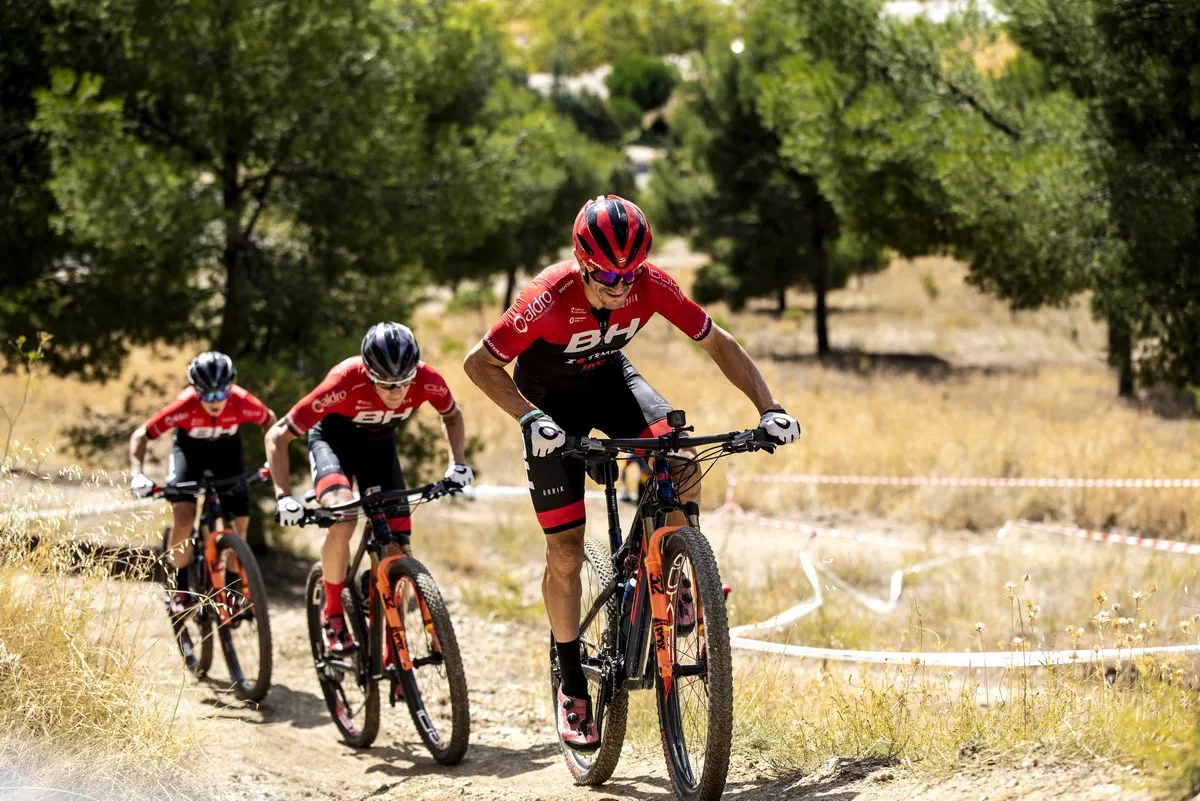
662, 613
216, 571
391, 612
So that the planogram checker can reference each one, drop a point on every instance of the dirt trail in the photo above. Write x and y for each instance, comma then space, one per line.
288, 748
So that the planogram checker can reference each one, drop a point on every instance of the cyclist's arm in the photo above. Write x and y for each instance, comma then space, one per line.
489, 374
739, 368
455, 428
272, 419
137, 450
277, 439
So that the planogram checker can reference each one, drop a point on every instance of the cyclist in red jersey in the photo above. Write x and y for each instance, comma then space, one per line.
206, 417
566, 331
350, 419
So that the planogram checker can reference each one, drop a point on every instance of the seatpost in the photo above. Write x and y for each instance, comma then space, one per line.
610, 501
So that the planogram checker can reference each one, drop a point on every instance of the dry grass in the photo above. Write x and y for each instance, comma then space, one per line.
82, 703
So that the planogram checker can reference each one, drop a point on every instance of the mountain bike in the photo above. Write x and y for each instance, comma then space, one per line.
657, 593
228, 589
402, 628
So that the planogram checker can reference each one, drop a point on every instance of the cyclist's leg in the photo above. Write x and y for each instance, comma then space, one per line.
379, 469
333, 473
556, 488
227, 461
636, 409
181, 467
330, 458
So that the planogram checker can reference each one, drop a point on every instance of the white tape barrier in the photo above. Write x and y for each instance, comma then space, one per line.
966, 659
87, 510
969, 481
1002, 659
879, 606
1169, 546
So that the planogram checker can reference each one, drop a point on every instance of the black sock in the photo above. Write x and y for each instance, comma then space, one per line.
181, 582
573, 682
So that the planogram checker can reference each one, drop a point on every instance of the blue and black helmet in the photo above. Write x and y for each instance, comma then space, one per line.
390, 353
211, 371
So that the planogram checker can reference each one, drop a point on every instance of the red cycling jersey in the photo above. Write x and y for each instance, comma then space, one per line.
347, 392
186, 414
555, 334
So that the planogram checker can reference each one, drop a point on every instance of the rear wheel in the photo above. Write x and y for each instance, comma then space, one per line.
696, 714
597, 766
246, 639
351, 694
436, 687
193, 628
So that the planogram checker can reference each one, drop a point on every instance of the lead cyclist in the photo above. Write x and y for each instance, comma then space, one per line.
566, 331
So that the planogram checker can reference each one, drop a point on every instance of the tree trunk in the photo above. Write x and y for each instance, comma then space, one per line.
782, 300
820, 285
1120, 354
232, 336
510, 286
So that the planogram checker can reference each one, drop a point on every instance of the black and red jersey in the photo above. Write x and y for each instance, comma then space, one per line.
347, 392
555, 335
187, 415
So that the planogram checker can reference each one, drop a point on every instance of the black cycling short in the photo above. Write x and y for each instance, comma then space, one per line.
222, 457
340, 452
615, 399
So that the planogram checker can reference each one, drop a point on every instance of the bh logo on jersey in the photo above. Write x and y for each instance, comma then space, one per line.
586, 340
378, 418
212, 432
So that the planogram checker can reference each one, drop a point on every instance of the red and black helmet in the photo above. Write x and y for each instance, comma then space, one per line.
611, 234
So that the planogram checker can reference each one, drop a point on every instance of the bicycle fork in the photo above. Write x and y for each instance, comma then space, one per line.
395, 622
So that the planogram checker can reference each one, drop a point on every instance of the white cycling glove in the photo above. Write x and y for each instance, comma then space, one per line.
780, 426
141, 486
544, 435
460, 475
289, 511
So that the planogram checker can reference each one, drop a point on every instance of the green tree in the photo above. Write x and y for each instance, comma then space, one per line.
269, 175
571, 36
645, 80
1136, 66
767, 224
918, 149
555, 169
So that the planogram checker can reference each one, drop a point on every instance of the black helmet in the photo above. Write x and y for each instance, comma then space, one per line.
212, 372
390, 353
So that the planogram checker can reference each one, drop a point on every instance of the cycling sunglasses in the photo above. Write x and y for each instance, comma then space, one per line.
611, 278
216, 396
391, 385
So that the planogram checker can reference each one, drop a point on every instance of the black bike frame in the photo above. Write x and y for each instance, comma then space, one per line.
630, 654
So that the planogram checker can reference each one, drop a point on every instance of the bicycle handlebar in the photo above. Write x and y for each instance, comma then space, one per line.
326, 516
247, 479
752, 439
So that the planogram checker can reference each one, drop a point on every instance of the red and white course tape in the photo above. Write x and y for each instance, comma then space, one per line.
969, 481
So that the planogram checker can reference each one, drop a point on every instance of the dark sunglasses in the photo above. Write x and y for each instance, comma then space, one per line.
611, 278
216, 395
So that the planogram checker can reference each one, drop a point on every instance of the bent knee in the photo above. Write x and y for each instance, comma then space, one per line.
564, 554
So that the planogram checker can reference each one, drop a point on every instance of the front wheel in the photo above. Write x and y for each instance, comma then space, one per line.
246, 637
695, 715
351, 693
436, 687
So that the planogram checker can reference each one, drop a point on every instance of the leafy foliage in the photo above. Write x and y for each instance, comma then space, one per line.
645, 80
766, 223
